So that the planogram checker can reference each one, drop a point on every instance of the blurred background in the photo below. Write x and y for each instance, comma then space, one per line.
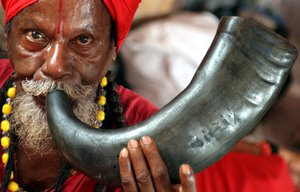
170, 38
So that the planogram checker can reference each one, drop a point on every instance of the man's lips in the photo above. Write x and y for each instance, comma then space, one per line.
40, 100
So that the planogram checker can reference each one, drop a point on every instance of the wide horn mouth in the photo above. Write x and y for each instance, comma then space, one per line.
235, 85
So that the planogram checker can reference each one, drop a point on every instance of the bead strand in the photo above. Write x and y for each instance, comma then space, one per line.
101, 102
5, 139
6, 127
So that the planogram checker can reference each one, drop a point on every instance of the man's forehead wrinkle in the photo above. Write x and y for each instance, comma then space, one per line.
81, 11
35, 14
77, 16
35, 22
88, 27
84, 26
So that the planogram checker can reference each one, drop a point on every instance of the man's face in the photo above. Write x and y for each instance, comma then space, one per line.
67, 40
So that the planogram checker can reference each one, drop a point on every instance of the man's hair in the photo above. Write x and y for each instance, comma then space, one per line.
8, 26
113, 31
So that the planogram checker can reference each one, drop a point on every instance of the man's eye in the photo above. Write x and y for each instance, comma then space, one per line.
84, 40
34, 36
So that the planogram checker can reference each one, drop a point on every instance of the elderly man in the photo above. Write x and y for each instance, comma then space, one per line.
70, 44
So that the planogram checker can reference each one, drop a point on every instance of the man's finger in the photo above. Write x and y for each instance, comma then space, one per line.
126, 172
187, 179
158, 168
141, 170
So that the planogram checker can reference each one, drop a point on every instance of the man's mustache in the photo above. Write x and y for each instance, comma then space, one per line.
43, 87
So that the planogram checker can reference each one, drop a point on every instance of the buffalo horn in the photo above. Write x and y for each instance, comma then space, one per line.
235, 85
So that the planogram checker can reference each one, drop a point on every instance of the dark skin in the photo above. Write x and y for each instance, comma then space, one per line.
76, 45
136, 175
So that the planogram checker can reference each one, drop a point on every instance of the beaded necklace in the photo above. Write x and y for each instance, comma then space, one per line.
7, 141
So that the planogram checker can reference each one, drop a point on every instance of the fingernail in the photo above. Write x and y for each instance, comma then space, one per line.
146, 140
186, 169
180, 189
124, 153
133, 143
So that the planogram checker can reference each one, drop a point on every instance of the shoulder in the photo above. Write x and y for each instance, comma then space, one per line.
136, 107
5, 70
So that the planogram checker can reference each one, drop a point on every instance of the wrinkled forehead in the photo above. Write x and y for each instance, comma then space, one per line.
62, 13
121, 11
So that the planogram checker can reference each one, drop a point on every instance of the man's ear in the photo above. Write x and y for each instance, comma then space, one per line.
5, 40
114, 51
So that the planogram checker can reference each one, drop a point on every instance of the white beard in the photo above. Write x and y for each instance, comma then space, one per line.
29, 117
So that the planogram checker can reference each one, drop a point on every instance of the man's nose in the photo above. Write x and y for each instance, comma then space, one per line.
57, 65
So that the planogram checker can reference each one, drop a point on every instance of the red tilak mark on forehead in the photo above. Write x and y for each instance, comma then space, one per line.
60, 16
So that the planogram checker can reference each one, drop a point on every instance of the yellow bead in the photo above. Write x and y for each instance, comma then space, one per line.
5, 125
103, 82
13, 186
4, 158
12, 175
5, 142
6, 109
11, 93
73, 172
100, 116
102, 100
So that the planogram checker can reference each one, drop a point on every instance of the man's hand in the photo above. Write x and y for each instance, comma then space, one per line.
142, 169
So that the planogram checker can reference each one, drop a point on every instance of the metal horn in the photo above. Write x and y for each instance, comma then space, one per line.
236, 83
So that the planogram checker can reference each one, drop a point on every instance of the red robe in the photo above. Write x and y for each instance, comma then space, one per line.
236, 172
